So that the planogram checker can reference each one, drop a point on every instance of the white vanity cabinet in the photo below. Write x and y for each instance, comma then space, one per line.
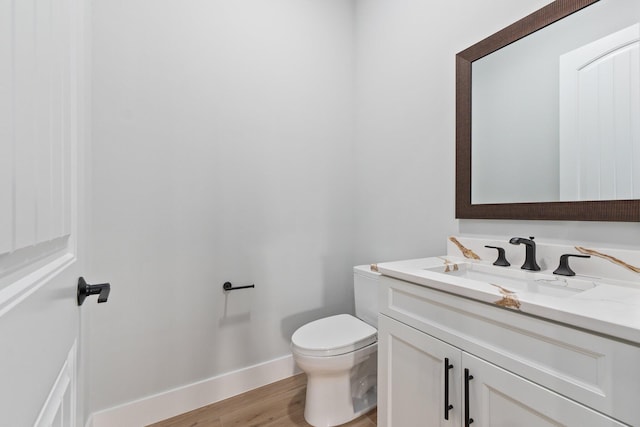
525, 371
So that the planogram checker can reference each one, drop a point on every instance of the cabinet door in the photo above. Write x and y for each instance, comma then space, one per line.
498, 398
412, 378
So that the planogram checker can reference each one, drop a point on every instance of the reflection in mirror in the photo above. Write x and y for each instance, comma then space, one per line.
599, 144
548, 116
555, 115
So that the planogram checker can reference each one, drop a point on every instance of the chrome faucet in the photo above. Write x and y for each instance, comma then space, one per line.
530, 258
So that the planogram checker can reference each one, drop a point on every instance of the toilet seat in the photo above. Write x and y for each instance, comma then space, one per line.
332, 336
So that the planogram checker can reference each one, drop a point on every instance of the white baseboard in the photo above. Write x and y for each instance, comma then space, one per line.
187, 398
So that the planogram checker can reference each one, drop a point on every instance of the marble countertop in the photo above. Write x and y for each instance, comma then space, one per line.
607, 307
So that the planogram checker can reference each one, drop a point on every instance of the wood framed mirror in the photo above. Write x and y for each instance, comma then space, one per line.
621, 209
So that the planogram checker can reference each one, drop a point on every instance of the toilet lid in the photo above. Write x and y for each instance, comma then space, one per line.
332, 336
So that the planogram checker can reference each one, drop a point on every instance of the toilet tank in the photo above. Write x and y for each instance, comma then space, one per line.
365, 291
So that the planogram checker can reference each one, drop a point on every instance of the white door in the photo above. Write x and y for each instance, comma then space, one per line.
498, 398
600, 119
413, 378
41, 150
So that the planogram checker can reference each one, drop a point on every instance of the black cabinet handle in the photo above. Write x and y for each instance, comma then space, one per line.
84, 290
447, 406
467, 420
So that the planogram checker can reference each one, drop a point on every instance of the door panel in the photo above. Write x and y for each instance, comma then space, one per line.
41, 140
60, 406
37, 334
6, 121
36, 135
498, 398
411, 370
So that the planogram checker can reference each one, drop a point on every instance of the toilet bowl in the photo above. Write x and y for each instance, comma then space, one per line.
339, 356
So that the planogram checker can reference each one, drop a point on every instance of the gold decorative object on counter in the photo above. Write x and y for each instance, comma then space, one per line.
614, 260
374, 267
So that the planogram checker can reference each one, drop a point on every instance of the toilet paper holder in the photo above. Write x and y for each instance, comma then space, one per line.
227, 286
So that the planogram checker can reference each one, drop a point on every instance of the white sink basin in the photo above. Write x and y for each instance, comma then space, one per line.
514, 279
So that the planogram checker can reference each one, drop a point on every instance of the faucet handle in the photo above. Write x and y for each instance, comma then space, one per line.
502, 259
564, 269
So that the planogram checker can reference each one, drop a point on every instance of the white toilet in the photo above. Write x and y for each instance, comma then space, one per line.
339, 356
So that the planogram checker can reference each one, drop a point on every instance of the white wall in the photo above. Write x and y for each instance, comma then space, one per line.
222, 151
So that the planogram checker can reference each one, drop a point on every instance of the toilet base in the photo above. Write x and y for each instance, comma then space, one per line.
342, 389
323, 411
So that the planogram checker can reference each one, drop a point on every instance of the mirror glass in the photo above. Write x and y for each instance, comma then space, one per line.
547, 109
555, 116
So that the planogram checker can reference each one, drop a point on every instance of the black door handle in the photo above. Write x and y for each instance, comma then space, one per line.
84, 290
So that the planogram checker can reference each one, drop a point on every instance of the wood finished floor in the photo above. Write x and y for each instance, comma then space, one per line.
280, 404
